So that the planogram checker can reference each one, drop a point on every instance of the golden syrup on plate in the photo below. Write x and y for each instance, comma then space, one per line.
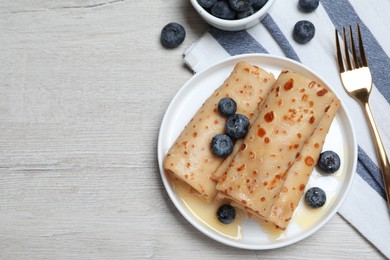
205, 212
307, 217
273, 232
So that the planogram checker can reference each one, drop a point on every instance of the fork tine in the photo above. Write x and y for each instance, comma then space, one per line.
349, 66
361, 48
355, 58
338, 52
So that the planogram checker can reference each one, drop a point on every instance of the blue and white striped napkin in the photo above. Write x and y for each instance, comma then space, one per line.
365, 206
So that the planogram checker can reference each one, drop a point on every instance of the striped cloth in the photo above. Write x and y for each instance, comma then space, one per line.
365, 206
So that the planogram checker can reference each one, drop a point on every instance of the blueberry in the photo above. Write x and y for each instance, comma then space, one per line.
308, 5
244, 14
172, 35
221, 145
303, 31
315, 197
226, 214
227, 106
206, 3
258, 4
329, 162
237, 126
240, 5
222, 10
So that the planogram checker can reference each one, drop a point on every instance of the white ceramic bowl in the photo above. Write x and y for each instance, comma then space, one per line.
232, 25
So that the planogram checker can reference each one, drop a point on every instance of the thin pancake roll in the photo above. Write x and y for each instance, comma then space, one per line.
190, 157
299, 173
290, 115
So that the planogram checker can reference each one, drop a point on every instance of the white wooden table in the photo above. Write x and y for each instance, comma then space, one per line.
84, 85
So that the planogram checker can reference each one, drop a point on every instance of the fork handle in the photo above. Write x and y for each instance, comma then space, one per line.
381, 152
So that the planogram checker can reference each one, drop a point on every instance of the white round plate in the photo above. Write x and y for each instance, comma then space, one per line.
341, 139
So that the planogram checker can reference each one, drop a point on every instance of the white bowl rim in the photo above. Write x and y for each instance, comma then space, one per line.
233, 23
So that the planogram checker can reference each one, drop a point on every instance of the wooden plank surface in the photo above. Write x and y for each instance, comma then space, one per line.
83, 89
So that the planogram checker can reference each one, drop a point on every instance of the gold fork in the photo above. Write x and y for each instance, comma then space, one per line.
357, 81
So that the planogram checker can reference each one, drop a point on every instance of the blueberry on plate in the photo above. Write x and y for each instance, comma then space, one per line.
206, 3
315, 197
240, 5
237, 126
329, 162
222, 145
303, 31
308, 5
244, 14
222, 10
172, 35
227, 106
226, 214
258, 4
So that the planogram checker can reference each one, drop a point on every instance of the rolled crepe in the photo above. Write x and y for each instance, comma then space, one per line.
299, 173
289, 116
190, 157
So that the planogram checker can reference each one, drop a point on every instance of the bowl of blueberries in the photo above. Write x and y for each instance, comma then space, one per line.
232, 15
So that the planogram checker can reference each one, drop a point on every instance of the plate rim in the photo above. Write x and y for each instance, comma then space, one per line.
192, 220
